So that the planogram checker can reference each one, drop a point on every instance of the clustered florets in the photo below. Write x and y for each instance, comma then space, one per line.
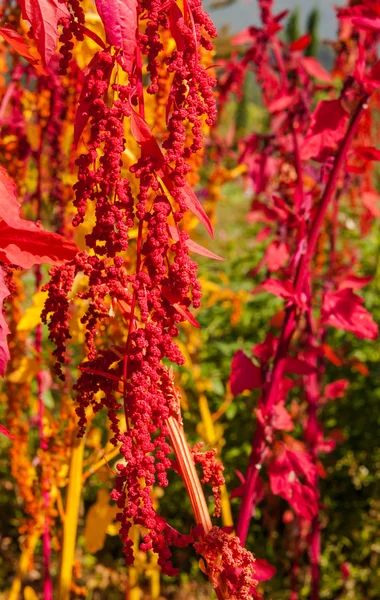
225, 556
153, 292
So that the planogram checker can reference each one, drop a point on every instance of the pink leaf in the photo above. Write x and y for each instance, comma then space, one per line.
20, 45
43, 15
4, 329
344, 310
193, 246
315, 69
120, 23
326, 130
244, 374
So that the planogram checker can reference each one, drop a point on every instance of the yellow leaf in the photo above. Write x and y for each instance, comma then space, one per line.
98, 519
32, 315
29, 593
26, 371
113, 529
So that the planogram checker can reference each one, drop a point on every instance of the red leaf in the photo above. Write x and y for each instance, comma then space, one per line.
186, 314
354, 282
276, 256
371, 202
5, 431
182, 310
144, 137
281, 103
281, 289
367, 23
22, 242
4, 329
244, 374
300, 367
368, 152
301, 43
266, 349
345, 569
246, 36
120, 23
337, 389
343, 309
284, 480
43, 15
193, 246
326, 130
196, 207
280, 419
175, 15
263, 570
21, 46
315, 69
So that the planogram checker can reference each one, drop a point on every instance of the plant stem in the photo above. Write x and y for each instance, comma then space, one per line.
70, 523
270, 392
192, 484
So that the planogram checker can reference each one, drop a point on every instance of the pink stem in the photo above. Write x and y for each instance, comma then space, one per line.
271, 389
48, 588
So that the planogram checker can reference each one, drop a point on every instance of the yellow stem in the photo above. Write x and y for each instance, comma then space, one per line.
70, 523
133, 574
210, 437
154, 574
24, 564
98, 465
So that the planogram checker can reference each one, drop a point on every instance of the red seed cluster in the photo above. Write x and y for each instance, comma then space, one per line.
225, 556
152, 294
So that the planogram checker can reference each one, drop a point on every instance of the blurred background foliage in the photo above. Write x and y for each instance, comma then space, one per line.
233, 318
